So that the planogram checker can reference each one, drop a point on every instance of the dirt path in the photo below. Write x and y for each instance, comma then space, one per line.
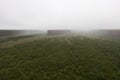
12, 43
68, 41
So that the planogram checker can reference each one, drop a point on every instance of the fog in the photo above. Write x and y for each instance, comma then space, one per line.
59, 14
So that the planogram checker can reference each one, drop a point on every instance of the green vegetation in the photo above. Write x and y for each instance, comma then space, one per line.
61, 58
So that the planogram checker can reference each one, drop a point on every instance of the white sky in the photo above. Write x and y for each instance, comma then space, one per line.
60, 14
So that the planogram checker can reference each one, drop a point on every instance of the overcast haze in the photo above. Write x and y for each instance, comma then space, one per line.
60, 14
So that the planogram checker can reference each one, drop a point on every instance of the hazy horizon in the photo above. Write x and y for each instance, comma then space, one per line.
59, 14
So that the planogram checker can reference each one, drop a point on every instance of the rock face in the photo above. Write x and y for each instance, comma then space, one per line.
58, 32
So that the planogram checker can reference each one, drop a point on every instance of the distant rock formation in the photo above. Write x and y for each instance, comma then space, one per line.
18, 32
109, 32
58, 32
9, 32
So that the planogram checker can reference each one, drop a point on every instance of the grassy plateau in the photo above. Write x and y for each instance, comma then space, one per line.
61, 58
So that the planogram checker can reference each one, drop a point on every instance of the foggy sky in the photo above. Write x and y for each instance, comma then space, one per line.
60, 14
